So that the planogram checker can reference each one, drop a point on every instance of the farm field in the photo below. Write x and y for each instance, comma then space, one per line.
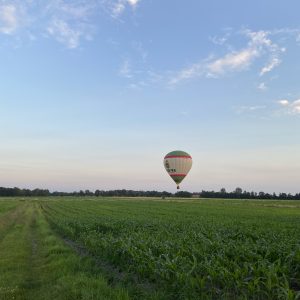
118, 248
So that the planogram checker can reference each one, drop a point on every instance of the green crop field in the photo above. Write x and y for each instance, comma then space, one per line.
114, 248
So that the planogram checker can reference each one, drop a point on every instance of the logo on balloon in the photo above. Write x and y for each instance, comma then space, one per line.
167, 164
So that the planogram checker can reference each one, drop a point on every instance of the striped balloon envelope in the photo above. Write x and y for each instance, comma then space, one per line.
178, 164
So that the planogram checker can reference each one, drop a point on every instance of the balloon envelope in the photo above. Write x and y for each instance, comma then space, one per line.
178, 164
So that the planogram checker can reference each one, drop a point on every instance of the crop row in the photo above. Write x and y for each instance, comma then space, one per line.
193, 250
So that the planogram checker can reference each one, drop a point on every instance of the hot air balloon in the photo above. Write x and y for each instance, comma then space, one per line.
178, 164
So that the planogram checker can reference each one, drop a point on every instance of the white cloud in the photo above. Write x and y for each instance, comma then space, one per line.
133, 2
269, 67
184, 113
274, 60
194, 70
291, 107
259, 45
64, 33
74, 10
248, 109
8, 19
125, 70
139, 48
219, 40
262, 86
68, 22
118, 7
137, 85
296, 106
283, 102
265, 44
222, 40
235, 61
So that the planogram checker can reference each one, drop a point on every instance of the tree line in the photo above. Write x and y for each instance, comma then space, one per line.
238, 193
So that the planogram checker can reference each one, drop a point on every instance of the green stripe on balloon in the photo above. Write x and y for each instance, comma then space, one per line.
177, 153
177, 178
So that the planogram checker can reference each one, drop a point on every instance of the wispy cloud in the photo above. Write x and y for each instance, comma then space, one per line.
259, 44
192, 71
9, 18
125, 69
184, 113
133, 2
262, 86
248, 109
219, 40
118, 7
139, 48
275, 61
135, 68
290, 107
68, 22
135, 75
283, 102
64, 33
262, 51
235, 61
75, 10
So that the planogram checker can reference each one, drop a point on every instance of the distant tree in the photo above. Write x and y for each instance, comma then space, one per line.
166, 194
238, 191
17, 192
88, 193
223, 191
183, 194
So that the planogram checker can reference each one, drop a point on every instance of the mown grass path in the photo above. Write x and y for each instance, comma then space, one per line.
36, 264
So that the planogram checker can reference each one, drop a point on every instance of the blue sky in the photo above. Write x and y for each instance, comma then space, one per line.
94, 93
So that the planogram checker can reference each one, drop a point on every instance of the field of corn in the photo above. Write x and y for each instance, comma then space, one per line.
160, 249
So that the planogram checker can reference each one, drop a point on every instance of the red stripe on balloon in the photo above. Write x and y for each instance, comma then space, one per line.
177, 174
177, 156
